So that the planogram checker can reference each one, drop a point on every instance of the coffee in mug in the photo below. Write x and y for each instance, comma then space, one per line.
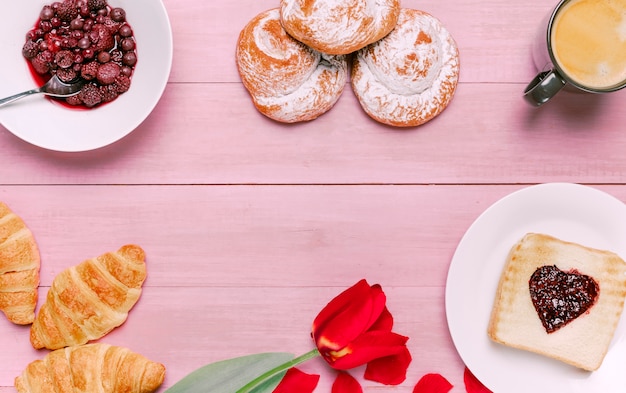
583, 45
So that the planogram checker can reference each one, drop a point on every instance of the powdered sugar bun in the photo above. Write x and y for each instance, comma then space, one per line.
288, 81
339, 26
410, 76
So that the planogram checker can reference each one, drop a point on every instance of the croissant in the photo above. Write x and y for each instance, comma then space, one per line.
88, 300
91, 368
19, 268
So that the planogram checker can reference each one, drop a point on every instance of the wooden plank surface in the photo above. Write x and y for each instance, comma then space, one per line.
211, 134
251, 226
237, 270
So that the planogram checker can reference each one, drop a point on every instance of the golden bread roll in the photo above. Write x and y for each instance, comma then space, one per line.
288, 81
19, 268
559, 299
91, 368
88, 300
339, 27
410, 76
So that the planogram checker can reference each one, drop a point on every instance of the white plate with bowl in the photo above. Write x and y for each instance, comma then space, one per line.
571, 212
53, 126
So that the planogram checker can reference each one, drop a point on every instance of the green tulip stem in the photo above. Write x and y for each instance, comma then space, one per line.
277, 370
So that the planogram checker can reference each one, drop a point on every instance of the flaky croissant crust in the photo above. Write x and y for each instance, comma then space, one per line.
19, 268
91, 368
88, 300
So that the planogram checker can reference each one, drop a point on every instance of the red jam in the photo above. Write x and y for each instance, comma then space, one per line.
560, 297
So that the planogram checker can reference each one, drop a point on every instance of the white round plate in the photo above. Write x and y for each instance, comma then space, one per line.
571, 212
47, 124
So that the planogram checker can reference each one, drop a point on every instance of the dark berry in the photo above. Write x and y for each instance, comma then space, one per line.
88, 54
118, 14
89, 70
126, 30
90, 95
108, 93
96, 4
31, 36
56, 22
40, 65
47, 56
84, 43
129, 59
77, 34
77, 24
46, 26
104, 57
74, 100
64, 58
127, 44
84, 11
107, 73
88, 24
66, 74
67, 10
122, 83
30, 49
104, 41
46, 13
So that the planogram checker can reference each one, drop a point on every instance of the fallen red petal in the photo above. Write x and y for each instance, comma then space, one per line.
345, 383
432, 383
389, 370
473, 385
297, 381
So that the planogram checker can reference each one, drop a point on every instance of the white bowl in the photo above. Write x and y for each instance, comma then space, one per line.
53, 126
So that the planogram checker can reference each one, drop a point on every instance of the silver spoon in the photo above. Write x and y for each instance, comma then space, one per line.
54, 87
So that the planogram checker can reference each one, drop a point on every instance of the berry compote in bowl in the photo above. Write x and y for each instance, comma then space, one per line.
122, 47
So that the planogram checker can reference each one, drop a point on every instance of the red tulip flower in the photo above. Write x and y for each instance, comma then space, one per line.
355, 329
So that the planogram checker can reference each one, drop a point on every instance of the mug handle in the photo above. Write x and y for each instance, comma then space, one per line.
543, 87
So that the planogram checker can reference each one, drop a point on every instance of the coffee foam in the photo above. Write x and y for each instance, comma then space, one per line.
589, 42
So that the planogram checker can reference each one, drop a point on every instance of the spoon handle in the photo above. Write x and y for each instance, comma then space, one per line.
12, 98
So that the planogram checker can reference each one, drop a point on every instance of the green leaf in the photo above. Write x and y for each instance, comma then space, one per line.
228, 376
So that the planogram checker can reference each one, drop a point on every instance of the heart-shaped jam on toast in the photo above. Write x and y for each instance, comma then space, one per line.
560, 297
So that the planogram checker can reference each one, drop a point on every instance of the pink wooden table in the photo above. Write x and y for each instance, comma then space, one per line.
251, 226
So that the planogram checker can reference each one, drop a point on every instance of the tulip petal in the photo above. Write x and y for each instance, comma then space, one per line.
345, 383
473, 385
432, 383
390, 370
297, 381
367, 347
339, 302
384, 321
348, 315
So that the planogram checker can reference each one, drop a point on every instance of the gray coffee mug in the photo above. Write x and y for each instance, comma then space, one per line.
554, 74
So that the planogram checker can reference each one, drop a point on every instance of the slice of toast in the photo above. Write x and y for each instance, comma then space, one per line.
582, 340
